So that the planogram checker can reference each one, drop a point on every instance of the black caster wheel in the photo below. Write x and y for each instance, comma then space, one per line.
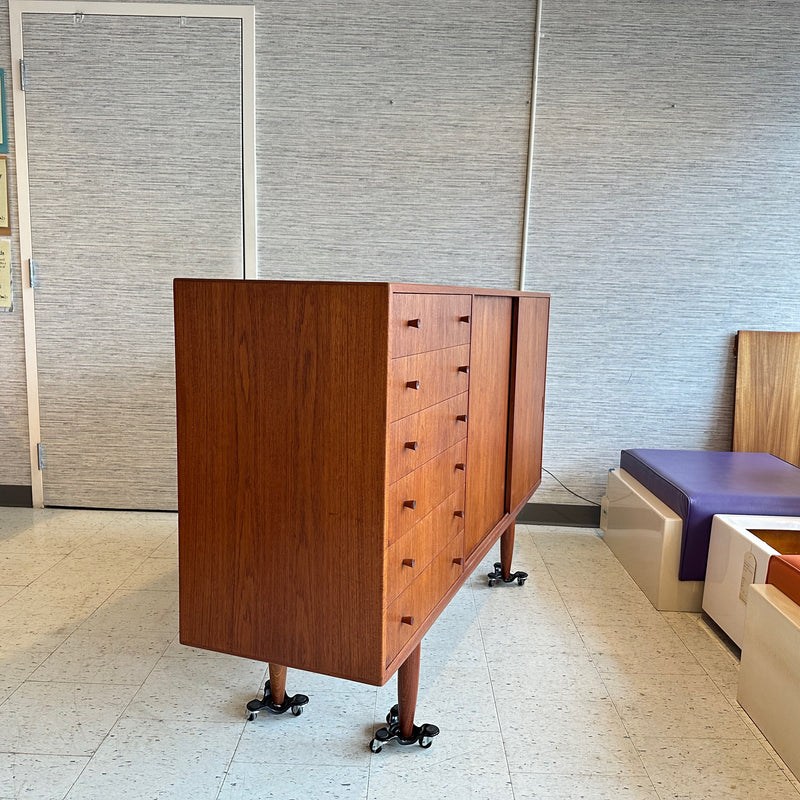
425, 742
292, 703
393, 716
497, 575
375, 746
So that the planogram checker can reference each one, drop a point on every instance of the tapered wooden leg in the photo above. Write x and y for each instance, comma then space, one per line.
507, 550
407, 686
400, 719
277, 683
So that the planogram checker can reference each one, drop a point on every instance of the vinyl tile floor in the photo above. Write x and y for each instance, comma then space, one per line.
571, 686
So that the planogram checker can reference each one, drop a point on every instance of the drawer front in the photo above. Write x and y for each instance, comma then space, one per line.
419, 437
420, 381
408, 557
418, 493
405, 616
422, 322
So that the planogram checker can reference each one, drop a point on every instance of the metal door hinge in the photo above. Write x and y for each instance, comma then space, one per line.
23, 75
40, 455
33, 273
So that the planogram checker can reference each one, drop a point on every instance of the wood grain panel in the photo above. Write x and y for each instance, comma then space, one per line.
437, 376
417, 602
425, 488
421, 322
421, 543
417, 438
767, 411
281, 471
487, 435
526, 412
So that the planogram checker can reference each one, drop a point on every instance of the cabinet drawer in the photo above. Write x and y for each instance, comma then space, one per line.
420, 381
417, 438
408, 557
418, 493
421, 322
406, 615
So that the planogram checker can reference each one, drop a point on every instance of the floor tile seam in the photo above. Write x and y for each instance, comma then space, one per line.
120, 716
227, 767
372, 755
491, 689
27, 677
604, 678
578, 774
40, 754
719, 647
739, 776
767, 746
85, 683
630, 736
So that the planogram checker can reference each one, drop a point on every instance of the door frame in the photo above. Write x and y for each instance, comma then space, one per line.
16, 8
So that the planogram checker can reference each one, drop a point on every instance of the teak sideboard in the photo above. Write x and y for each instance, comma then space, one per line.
347, 455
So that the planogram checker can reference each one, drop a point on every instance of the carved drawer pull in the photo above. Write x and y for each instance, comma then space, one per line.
407, 620
459, 514
412, 384
409, 504
464, 319
464, 369
462, 417
409, 562
411, 445
414, 323
461, 466
458, 561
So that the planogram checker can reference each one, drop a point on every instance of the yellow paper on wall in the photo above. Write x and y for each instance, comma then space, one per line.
5, 273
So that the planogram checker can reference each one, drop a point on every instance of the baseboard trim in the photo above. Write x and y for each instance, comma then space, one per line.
16, 496
560, 514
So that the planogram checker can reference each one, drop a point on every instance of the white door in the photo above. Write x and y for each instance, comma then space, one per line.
134, 132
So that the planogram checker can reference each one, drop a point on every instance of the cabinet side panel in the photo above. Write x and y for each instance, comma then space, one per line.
281, 469
529, 363
487, 431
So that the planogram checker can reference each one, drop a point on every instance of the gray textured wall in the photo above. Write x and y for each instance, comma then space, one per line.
392, 139
665, 218
391, 144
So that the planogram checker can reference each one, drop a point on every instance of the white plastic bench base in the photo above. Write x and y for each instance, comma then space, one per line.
645, 535
737, 557
770, 670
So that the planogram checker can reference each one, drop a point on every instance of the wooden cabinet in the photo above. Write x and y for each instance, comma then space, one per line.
347, 454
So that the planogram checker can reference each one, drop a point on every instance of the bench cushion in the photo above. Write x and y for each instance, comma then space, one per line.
696, 484
784, 574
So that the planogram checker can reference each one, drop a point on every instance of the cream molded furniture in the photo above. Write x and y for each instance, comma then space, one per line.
694, 485
769, 675
645, 535
738, 556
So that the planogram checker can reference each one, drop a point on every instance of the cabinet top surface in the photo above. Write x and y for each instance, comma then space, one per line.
416, 288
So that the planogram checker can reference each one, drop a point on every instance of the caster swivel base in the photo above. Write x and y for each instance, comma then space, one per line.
420, 734
294, 703
497, 575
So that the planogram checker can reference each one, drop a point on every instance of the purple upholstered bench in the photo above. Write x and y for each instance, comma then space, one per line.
696, 485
